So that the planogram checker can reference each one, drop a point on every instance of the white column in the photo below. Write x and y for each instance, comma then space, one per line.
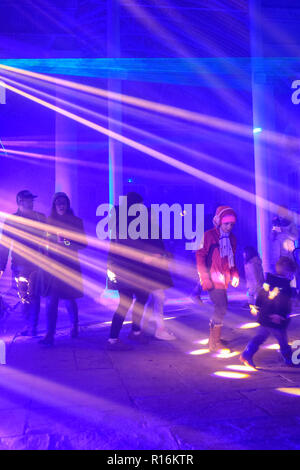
114, 107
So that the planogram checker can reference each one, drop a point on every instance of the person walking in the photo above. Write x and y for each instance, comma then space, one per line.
66, 237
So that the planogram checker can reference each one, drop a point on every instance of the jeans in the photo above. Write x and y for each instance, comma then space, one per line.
220, 301
52, 310
262, 334
126, 299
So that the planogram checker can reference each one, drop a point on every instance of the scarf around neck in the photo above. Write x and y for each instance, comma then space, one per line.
226, 248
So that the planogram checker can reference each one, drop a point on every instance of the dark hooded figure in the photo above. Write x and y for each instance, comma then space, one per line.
65, 237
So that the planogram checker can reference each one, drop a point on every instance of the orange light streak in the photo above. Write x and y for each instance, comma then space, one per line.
241, 193
208, 121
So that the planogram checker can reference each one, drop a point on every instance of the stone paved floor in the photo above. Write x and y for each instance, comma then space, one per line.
79, 395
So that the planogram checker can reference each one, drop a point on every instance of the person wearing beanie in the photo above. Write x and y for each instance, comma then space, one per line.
63, 254
217, 268
273, 308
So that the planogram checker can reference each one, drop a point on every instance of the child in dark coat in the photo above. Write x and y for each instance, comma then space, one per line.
273, 305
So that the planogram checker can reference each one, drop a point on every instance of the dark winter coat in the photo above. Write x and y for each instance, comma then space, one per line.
57, 286
141, 264
213, 269
280, 305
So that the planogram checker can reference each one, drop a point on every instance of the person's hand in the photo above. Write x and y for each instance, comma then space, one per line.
1, 274
235, 281
276, 318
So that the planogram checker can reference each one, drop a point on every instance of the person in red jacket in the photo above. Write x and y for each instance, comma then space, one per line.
217, 268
